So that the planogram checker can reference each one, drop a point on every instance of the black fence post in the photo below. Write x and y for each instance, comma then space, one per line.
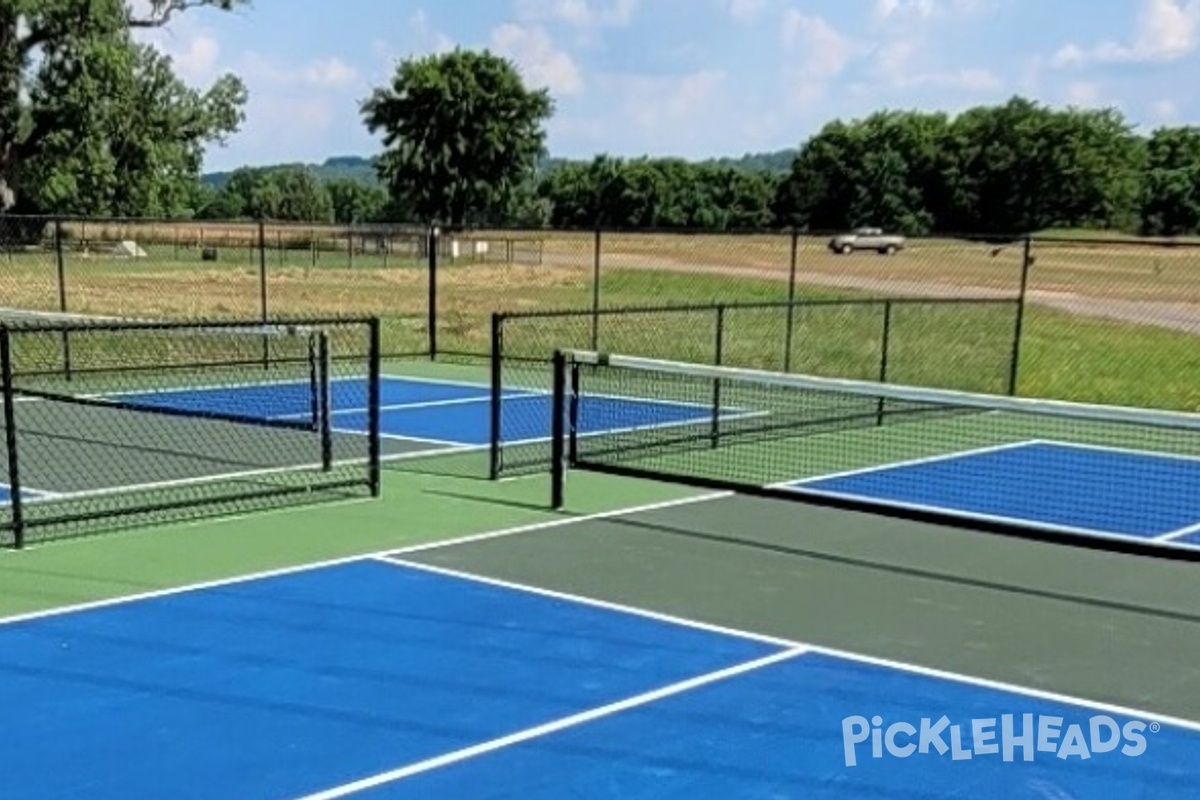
264, 312
558, 419
15, 504
374, 455
884, 350
61, 267
496, 418
432, 310
791, 299
718, 358
596, 248
1019, 323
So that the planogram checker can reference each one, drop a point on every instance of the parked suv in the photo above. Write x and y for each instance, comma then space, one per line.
867, 239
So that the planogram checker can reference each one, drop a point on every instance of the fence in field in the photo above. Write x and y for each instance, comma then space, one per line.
1103, 319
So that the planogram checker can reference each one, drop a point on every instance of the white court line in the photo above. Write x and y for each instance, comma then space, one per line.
638, 428
930, 672
913, 462
33, 494
199, 480
392, 560
548, 728
956, 513
1179, 534
1132, 451
456, 401
334, 562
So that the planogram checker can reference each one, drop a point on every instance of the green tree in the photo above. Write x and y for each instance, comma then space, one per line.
356, 201
1025, 167
290, 194
299, 196
90, 121
1170, 203
461, 133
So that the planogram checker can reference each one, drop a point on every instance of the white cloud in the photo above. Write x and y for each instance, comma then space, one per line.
426, 39
538, 59
891, 8
320, 73
194, 50
928, 9
825, 53
580, 13
657, 104
746, 10
900, 65
1166, 30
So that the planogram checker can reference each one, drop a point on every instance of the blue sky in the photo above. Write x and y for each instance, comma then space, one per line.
692, 78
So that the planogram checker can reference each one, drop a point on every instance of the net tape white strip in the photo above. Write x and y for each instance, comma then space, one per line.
27, 318
1061, 409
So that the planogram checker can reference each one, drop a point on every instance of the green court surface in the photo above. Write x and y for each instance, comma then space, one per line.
1112, 628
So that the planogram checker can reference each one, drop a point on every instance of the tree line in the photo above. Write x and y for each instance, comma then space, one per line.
93, 123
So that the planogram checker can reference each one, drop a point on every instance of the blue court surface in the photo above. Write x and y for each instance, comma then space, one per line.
422, 410
1074, 488
379, 678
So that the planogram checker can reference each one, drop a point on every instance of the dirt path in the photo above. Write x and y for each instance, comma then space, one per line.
1174, 316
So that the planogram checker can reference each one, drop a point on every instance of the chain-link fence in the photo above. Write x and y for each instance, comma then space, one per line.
1106, 320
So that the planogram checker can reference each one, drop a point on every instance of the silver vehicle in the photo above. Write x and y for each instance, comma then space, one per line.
867, 239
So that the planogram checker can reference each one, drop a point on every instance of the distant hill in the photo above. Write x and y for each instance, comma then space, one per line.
363, 169
336, 168
779, 162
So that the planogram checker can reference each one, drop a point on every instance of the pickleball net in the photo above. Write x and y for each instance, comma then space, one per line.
113, 421
1003, 463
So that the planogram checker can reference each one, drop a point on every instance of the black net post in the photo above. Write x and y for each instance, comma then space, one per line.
314, 380
432, 300
496, 417
558, 418
573, 416
374, 400
884, 349
263, 311
16, 516
1018, 326
324, 387
596, 248
61, 266
788, 332
718, 357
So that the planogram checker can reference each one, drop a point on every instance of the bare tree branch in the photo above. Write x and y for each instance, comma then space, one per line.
163, 11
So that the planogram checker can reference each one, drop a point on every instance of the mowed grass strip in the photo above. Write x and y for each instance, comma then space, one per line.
1064, 355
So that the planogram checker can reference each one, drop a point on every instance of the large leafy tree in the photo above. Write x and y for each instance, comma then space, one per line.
1171, 192
92, 122
461, 133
